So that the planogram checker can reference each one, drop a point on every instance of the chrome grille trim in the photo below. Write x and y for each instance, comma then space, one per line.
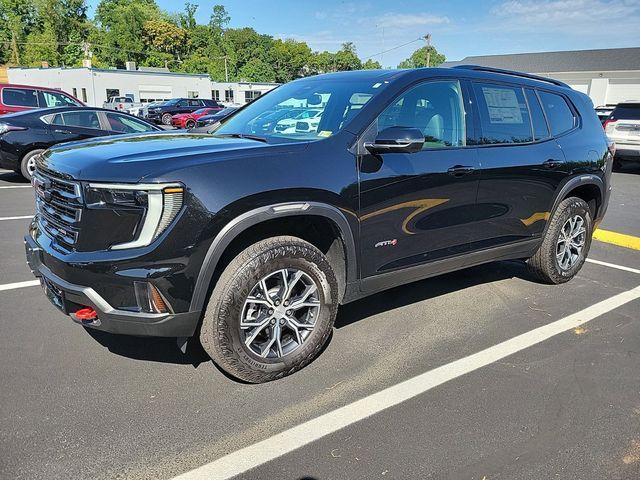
59, 207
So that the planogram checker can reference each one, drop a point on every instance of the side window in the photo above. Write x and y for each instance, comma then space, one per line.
435, 108
559, 114
126, 124
504, 117
82, 119
540, 127
55, 99
19, 97
183, 103
195, 103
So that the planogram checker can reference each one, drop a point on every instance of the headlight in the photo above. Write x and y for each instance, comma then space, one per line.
160, 204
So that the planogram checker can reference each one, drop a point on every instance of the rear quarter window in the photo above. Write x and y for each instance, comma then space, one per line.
20, 97
560, 116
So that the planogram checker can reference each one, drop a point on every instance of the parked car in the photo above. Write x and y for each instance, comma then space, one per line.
288, 124
119, 103
603, 112
188, 120
214, 118
25, 135
142, 110
623, 128
253, 241
163, 113
266, 123
16, 98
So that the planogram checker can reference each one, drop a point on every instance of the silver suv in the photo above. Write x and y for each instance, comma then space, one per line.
623, 127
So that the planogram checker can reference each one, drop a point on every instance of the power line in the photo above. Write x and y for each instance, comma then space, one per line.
394, 48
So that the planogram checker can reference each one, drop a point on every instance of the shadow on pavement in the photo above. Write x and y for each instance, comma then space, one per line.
165, 350
633, 168
12, 177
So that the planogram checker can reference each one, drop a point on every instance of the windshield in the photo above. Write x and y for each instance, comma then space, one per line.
285, 113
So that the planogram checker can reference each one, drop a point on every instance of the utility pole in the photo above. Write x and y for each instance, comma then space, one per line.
427, 38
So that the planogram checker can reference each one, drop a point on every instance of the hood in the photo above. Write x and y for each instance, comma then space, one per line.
129, 158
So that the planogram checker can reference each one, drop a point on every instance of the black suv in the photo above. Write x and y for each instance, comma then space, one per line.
253, 241
162, 113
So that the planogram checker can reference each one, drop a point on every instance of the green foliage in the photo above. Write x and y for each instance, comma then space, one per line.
59, 32
418, 59
371, 65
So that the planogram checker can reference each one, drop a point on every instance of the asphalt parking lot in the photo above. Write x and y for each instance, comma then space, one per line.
81, 404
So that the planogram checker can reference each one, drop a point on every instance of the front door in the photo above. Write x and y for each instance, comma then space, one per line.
418, 207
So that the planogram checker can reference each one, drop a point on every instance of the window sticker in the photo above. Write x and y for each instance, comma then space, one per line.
503, 105
325, 133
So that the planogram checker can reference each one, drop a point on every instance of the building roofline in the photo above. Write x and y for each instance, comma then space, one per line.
113, 70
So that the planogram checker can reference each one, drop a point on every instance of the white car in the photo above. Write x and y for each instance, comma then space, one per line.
288, 125
623, 128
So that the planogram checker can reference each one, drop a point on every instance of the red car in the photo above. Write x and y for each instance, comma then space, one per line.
16, 98
188, 120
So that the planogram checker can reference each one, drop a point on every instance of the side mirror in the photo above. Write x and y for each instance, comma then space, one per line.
397, 140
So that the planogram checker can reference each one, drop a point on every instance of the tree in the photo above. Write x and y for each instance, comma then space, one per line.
17, 19
164, 36
41, 47
322, 62
371, 64
289, 59
219, 18
188, 18
346, 58
256, 70
418, 59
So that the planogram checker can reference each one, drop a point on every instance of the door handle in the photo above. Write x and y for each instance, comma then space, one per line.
460, 170
66, 132
551, 163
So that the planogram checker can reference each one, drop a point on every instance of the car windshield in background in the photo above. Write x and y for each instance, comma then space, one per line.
310, 109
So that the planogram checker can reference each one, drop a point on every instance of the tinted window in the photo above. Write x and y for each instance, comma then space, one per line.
126, 124
540, 128
434, 108
19, 97
183, 103
84, 119
629, 111
559, 114
195, 103
56, 99
504, 117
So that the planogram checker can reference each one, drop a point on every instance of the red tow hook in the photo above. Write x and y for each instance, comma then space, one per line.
86, 314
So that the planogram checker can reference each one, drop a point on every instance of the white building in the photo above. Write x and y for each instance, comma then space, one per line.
95, 85
239, 92
608, 76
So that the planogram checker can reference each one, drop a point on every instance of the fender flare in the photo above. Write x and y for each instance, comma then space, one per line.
258, 215
575, 182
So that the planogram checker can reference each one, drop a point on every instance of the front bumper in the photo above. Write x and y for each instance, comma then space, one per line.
69, 298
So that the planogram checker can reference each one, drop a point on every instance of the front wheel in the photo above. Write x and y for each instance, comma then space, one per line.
28, 163
566, 243
166, 119
271, 311
189, 124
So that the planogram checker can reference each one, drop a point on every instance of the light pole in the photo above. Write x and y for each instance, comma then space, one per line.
427, 38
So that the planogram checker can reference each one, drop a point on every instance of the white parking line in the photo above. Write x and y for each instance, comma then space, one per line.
13, 286
15, 186
262, 452
613, 265
24, 217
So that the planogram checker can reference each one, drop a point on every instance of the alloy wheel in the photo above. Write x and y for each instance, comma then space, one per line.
280, 313
571, 242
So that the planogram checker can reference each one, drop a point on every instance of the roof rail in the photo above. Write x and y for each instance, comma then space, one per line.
480, 68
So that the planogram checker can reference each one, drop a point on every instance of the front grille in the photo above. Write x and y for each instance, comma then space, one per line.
59, 207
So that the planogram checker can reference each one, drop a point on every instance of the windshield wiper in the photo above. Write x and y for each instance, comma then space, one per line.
242, 135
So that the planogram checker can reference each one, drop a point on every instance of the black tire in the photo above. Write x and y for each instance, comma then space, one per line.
25, 169
166, 119
189, 124
221, 335
617, 164
544, 264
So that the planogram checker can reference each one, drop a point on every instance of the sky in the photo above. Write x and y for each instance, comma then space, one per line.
458, 28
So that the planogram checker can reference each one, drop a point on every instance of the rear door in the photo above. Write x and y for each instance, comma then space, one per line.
76, 125
521, 163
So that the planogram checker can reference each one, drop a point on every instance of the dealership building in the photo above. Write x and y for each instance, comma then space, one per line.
95, 85
608, 76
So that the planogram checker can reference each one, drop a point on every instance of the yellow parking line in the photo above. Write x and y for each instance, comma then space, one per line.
620, 239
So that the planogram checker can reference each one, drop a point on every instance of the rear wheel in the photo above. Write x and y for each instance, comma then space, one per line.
166, 119
28, 163
271, 311
566, 243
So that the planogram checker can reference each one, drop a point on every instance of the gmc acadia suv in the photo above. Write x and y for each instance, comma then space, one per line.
251, 241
